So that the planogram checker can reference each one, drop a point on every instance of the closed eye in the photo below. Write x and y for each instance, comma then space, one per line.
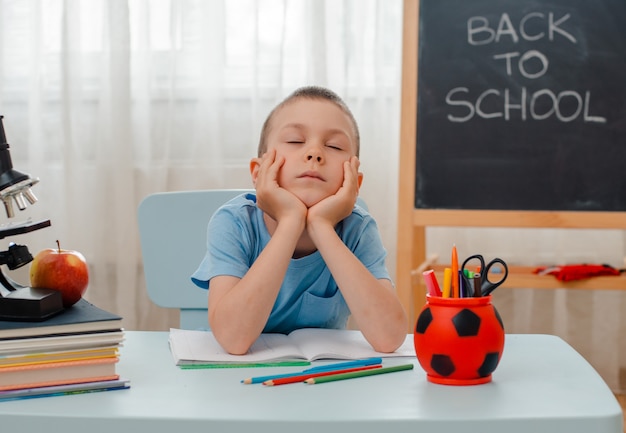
332, 146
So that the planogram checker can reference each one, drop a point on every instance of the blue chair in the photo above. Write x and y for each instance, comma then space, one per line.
172, 231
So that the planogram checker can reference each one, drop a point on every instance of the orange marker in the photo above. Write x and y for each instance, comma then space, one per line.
455, 273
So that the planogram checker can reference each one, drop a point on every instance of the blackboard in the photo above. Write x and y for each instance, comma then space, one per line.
521, 105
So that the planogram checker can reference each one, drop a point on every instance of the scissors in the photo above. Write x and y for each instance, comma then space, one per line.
487, 286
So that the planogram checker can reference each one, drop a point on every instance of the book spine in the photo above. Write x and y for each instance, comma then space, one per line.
61, 364
58, 382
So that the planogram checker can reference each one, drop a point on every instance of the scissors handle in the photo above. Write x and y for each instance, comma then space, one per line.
488, 285
475, 284
474, 257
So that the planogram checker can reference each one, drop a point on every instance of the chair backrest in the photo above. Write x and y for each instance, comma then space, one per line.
172, 231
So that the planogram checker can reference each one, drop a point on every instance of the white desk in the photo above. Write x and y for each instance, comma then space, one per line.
541, 385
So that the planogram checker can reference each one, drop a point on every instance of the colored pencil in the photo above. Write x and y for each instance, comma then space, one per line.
455, 273
261, 379
346, 364
319, 368
357, 374
301, 378
447, 281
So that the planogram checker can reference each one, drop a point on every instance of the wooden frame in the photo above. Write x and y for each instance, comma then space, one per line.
412, 223
411, 251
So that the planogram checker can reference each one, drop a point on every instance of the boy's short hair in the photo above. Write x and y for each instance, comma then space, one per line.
309, 92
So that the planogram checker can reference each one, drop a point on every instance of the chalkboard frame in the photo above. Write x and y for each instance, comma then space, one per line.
412, 222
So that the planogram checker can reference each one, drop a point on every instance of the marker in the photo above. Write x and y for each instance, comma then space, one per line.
447, 280
477, 283
464, 287
357, 374
455, 273
431, 283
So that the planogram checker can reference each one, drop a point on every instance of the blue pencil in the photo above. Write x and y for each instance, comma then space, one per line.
328, 367
347, 364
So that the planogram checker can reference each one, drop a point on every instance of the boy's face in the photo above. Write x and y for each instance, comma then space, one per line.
315, 137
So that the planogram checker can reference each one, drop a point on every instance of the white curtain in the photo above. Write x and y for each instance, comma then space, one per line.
107, 101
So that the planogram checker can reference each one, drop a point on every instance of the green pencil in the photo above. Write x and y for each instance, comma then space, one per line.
334, 377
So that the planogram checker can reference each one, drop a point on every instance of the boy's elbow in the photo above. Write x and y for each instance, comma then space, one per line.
389, 345
395, 336
234, 344
238, 347
233, 341
238, 350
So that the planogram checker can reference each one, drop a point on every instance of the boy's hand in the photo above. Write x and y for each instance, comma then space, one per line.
338, 206
272, 199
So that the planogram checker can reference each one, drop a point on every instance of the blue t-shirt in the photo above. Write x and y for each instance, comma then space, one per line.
309, 296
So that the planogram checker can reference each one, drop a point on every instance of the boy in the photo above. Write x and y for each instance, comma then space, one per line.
299, 253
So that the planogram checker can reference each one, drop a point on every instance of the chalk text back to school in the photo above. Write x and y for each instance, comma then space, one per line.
566, 105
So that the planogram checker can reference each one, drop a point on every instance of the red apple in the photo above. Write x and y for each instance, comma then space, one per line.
62, 270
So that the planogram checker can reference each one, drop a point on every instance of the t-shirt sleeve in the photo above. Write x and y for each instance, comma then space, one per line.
227, 246
365, 241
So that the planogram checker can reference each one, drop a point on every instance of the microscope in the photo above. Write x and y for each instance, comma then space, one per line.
19, 302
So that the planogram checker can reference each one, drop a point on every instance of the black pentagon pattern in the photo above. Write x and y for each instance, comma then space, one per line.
442, 364
489, 364
423, 321
498, 317
466, 323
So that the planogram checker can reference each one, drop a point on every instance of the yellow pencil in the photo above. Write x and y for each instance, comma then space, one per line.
447, 280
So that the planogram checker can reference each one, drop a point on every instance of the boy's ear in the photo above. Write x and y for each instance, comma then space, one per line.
255, 164
359, 179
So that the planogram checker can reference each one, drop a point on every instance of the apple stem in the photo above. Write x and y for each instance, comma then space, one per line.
59, 246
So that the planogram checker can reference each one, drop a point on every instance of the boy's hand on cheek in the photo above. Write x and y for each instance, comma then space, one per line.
272, 199
339, 205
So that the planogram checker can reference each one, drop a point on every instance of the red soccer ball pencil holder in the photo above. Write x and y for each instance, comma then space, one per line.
459, 341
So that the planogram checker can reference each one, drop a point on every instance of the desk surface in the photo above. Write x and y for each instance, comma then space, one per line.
541, 385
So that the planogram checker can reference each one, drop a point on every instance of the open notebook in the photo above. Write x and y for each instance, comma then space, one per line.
304, 345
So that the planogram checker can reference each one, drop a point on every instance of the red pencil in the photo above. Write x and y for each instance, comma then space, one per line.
303, 377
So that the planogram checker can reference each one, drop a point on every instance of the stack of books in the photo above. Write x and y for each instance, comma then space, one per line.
73, 352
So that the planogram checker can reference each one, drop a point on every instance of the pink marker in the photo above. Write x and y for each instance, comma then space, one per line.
431, 283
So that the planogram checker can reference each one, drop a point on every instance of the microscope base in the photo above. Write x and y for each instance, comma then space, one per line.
30, 304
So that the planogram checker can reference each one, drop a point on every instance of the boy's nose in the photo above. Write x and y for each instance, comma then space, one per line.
314, 153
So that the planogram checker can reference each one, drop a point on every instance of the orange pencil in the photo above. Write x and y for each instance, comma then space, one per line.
455, 272
302, 377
